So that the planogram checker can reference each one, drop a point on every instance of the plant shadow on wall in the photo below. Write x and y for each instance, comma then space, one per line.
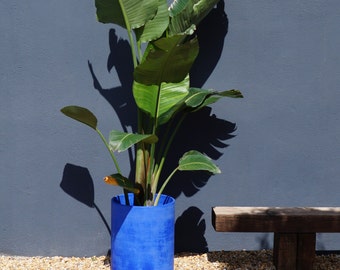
76, 176
201, 131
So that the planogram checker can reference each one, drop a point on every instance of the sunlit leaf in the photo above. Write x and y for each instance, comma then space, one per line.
121, 141
138, 12
231, 93
186, 14
167, 60
217, 95
196, 161
199, 98
155, 27
196, 96
81, 114
160, 102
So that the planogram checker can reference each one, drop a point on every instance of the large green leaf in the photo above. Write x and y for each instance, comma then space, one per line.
160, 101
186, 14
232, 93
196, 161
137, 12
198, 97
81, 114
167, 60
121, 141
155, 27
215, 97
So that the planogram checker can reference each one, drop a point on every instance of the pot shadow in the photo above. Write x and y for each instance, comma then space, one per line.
189, 232
77, 182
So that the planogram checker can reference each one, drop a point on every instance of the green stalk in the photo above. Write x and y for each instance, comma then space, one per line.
164, 185
128, 28
150, 169
111, 153
139, 152
151, 177
166, 143
115, 162
141, 158
139, 51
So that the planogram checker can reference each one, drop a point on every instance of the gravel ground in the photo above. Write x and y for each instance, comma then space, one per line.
223, 260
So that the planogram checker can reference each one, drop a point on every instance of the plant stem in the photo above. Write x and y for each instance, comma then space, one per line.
129, 30
134, 58
164, 185
139, 50
111, 153
166, 144
152, 180
115, 162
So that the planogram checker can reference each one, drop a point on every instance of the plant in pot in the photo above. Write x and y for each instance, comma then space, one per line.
163, 48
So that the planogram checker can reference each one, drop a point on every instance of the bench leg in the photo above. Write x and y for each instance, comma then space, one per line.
285, 246
294, 251
306, 250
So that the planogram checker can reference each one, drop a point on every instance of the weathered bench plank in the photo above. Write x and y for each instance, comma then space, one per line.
276, 219
294, 229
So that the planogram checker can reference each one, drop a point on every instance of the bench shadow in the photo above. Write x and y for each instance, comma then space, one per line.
264, 241
243, 259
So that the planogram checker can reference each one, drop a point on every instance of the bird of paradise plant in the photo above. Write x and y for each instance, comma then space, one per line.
161, 89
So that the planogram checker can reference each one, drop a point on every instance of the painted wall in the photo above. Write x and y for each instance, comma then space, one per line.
280, 146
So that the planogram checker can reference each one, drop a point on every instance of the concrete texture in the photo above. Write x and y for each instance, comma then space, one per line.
280, 146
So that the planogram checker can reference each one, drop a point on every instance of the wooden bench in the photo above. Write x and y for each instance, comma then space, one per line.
294, 229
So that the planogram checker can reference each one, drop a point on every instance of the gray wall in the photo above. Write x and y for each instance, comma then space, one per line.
283, 55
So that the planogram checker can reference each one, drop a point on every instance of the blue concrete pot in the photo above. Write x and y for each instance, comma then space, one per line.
142, 238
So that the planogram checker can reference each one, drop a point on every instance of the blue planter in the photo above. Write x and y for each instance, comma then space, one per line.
142, 237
